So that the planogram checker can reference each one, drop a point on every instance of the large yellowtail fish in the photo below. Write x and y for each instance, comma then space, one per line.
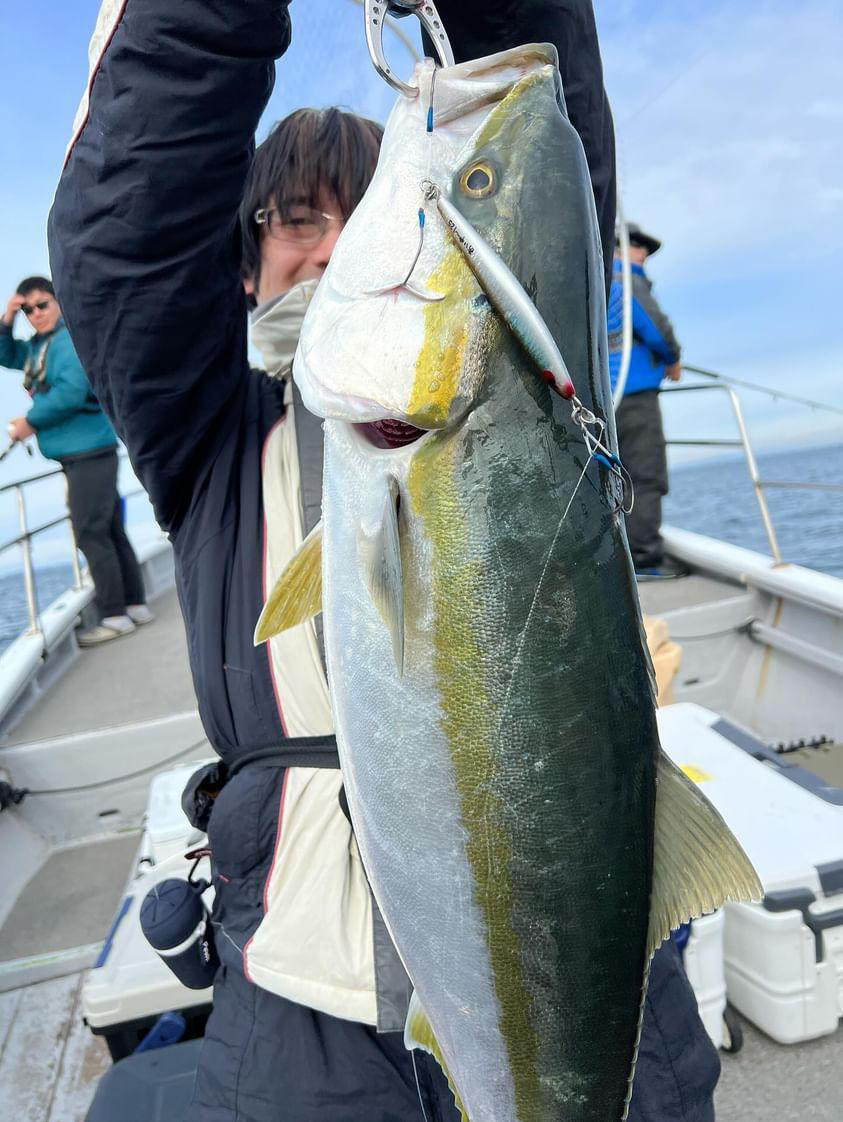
527, 841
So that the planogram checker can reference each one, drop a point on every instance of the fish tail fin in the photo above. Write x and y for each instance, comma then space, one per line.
698, 863
419, 1034
297, 594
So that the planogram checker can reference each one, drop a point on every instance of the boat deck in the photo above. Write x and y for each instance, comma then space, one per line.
785, 1082
137, 678
659, 597
50, 1064
70, 903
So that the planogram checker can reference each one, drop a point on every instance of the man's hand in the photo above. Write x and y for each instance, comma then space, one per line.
19, 429
674, 371
15, 304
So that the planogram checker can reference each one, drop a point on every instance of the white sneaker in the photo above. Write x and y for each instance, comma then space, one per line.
112, 627
139, 614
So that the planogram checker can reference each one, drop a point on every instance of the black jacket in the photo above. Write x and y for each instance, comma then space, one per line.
144, 249
145, 254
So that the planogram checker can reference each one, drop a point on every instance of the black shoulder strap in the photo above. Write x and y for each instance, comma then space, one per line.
294, 751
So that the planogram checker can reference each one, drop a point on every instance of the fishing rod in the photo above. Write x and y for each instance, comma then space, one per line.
626, 291
626, 288
762, 389
13, 444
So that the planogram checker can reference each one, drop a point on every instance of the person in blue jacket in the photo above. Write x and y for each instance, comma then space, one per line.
71, 427
655, 356
175, 99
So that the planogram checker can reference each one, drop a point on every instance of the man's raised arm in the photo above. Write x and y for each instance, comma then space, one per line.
143, 238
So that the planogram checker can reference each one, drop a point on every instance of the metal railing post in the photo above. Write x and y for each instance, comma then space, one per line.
28, 574
757, 484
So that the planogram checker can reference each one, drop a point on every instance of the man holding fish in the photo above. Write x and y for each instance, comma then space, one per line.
433, 402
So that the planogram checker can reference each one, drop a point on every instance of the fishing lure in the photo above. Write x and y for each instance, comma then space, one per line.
505, 294
509, 299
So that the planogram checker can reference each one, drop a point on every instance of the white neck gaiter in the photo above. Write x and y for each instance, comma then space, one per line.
275, 327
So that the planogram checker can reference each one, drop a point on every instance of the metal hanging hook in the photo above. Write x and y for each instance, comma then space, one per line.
376, 11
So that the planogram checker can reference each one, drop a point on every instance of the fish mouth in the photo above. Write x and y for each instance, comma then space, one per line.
390, 433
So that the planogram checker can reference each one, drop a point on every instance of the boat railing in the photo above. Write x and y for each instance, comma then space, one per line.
26, 533
743, 442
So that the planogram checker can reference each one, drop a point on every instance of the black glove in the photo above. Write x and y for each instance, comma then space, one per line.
397, 10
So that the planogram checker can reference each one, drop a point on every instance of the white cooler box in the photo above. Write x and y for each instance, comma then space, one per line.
783, 958
703, 958
130, 987
166, 828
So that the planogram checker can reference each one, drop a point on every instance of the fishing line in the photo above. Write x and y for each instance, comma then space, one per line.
763, 389
418, 1086
528, 621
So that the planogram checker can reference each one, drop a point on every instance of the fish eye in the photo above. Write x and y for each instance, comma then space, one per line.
478, 181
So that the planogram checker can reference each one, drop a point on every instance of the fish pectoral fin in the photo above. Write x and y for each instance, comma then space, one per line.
380, 555
698, 863
419, 1034
297, 594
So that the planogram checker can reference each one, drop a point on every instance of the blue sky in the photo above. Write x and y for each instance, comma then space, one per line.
729, 118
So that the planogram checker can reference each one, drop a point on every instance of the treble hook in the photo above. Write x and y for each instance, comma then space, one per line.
375, 12
593, 429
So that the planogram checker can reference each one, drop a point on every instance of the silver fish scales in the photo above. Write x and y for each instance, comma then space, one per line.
528, 843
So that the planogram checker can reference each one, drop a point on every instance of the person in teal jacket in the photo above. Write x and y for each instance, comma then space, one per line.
70, 427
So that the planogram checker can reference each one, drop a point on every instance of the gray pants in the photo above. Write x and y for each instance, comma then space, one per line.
642, 450
97, 517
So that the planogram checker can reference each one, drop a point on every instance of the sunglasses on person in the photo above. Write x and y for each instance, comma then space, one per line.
298, 225
28, 309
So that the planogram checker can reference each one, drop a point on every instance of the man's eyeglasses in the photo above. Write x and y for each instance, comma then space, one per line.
28, 309
299, 225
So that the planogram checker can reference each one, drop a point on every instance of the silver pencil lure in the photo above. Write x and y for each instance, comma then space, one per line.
505, 294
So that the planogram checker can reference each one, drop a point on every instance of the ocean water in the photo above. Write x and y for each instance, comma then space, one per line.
50, 582
714, 498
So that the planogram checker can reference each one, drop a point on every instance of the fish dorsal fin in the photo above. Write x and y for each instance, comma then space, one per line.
297, 594
419, 1034
380, 555
698, 863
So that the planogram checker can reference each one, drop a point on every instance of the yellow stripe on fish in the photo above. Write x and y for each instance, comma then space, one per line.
468, 721
441, 373
446, 334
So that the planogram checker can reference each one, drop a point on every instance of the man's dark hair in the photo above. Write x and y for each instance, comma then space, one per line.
35, 284
311, 151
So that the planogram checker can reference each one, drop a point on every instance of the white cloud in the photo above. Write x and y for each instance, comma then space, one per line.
723, 121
